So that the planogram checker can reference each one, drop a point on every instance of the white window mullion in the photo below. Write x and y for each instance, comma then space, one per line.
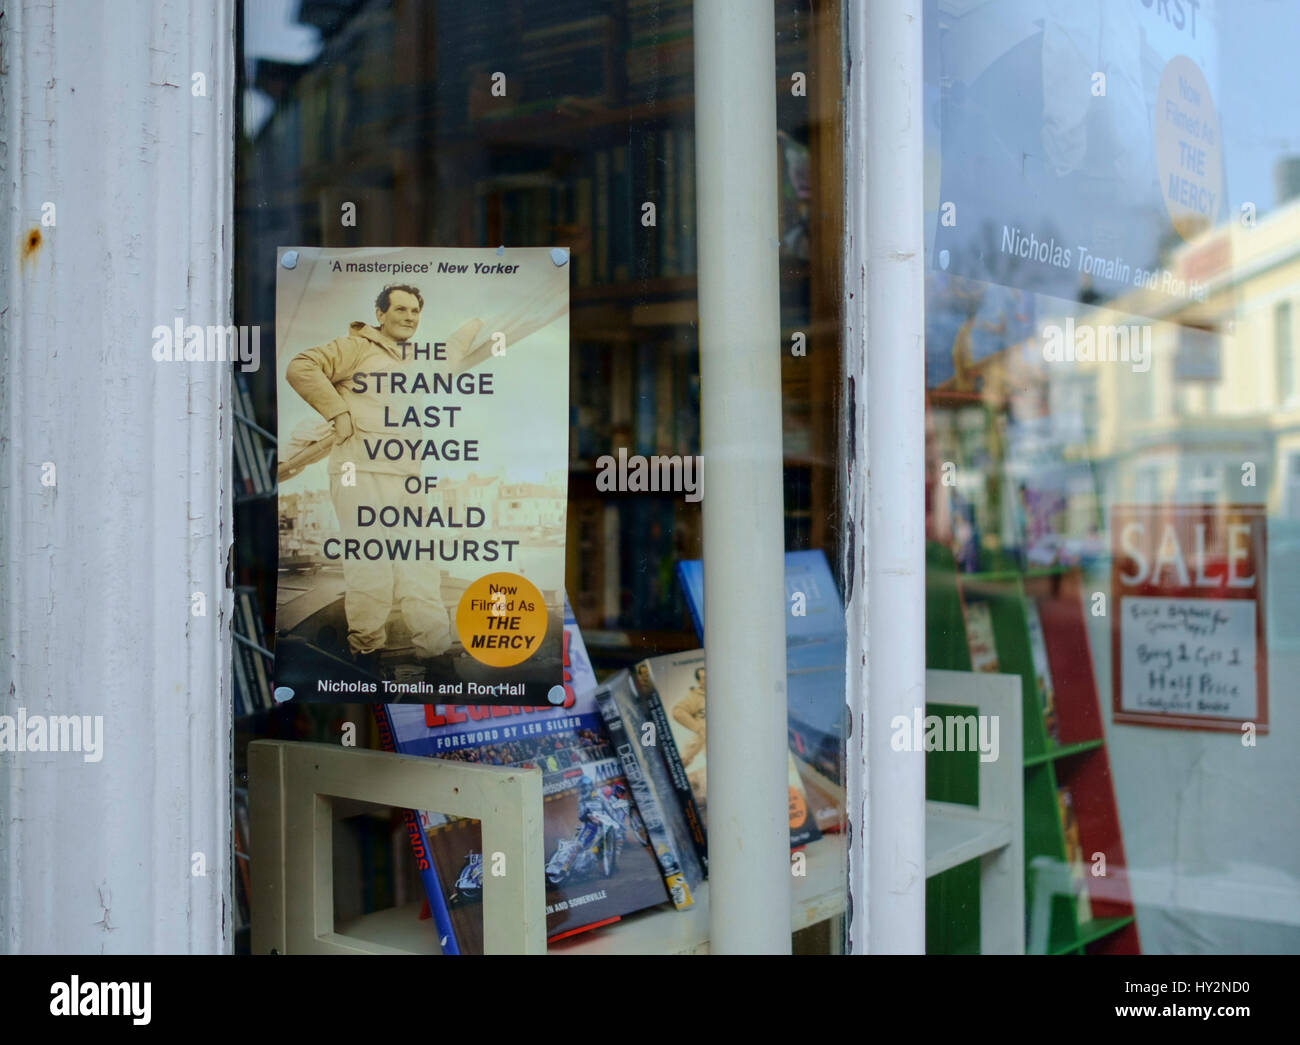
884, 462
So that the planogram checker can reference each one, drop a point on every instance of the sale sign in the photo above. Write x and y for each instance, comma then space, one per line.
1188, 644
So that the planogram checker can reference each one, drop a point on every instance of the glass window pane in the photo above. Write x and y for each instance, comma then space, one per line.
1113, 211
530, 124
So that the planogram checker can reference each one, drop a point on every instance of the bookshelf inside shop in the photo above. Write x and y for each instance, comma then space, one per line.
398, 117
1031, 624
1004, 594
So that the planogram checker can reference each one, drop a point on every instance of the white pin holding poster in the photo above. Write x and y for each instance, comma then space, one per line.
423, 474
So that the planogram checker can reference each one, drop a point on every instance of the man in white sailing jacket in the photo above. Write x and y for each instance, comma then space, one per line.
323, 377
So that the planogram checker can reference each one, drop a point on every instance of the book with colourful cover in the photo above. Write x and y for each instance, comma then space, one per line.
816, 648
644, 767
600, 864
440, 570
413, 821
1074, 856
1042, 669
651, 710
674, 688
979, 635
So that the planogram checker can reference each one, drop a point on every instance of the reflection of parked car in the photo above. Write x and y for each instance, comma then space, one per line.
1056, 550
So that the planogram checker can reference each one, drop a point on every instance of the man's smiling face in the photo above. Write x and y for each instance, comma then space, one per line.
402, 317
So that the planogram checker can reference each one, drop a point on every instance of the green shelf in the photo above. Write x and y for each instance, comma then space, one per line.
994, 576
952, 899
1065, 751
1094, 930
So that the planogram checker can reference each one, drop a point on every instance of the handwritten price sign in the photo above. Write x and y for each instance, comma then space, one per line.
1188, 634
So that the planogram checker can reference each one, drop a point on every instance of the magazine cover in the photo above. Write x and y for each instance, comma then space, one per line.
815, 658
676, 683
600, 864
423, 451
655, 801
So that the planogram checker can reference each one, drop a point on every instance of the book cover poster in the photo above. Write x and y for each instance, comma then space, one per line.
1074, 145
422, 466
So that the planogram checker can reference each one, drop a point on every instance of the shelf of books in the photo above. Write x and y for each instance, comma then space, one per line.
625, 793
1032, 624
625, 807
818, 896
641, 887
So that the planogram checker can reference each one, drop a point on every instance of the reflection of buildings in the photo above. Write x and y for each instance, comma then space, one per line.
1214, 419
454, 496
505, 505
1221, 391
306, 519
530, 504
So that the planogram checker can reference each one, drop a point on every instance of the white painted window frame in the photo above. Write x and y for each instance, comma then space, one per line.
141, 171
884, 462
122, 116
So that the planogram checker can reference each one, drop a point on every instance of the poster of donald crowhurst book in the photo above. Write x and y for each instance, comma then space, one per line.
422, 406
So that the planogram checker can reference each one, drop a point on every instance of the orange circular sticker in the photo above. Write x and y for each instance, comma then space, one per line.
798, 809
501, 619
1189, 152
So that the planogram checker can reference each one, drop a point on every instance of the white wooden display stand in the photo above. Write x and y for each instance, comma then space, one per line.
296, 791
994, 830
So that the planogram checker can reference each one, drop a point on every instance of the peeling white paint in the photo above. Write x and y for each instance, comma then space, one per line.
96, 572
884, 501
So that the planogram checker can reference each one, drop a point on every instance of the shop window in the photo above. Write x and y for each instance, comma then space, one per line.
1094, 246
524, 124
